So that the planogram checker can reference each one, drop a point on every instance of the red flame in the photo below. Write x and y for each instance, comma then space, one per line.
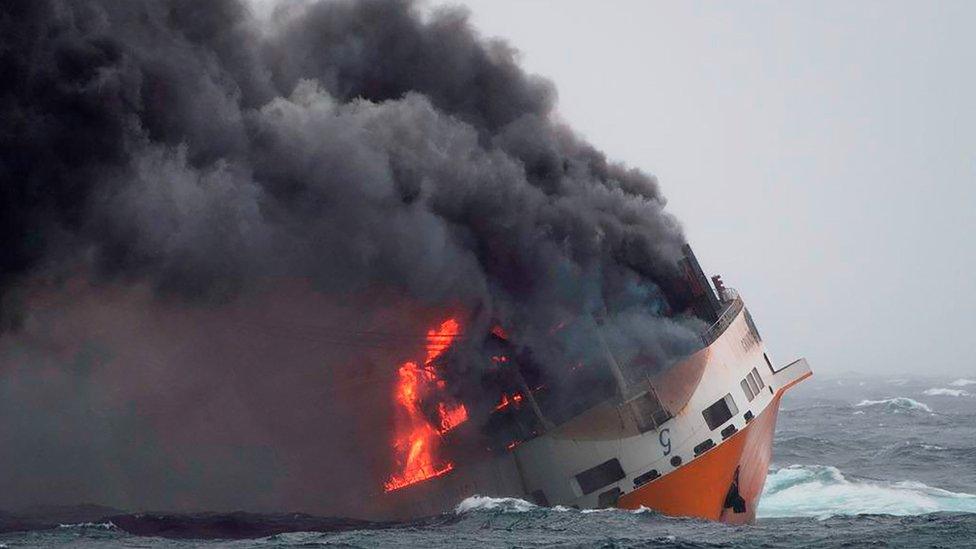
506, 401
416, 440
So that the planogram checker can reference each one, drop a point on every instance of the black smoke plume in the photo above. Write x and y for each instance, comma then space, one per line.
214, 228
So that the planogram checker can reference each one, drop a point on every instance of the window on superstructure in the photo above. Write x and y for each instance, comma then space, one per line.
597, 477
720, 412
755, 374
752, 384
747, 390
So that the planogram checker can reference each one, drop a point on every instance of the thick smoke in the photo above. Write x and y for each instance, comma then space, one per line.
179, 179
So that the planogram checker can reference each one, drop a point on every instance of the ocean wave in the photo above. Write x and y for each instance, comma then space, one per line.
913, 453
896, 404
108, 525
822, 491
516, 505
945, 392
802, 442
814, 408
487, 503
910, 450
962, 382
801, 446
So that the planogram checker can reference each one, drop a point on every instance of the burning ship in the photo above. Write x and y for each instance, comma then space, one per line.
691, 440
235, 197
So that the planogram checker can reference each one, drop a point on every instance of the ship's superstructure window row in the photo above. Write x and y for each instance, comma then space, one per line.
752, 384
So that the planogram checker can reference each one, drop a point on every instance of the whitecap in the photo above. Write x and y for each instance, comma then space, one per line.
896, 404
100, 525
962, 382
945, 392
487, 503
823, 491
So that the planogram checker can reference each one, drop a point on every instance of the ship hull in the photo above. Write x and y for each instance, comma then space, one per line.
707, 460
724, 484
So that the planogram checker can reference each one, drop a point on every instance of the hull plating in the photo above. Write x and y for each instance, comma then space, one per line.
703, 488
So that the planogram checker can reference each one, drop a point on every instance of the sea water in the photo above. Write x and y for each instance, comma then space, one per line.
857, 463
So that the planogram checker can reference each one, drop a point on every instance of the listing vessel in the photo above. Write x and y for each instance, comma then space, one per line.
692, 440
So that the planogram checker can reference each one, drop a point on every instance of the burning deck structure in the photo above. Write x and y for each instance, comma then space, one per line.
691, 439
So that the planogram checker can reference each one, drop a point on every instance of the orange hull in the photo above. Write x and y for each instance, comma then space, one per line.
703, 487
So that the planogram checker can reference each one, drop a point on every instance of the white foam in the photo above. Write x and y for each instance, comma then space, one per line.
961, 382
486, 503
945, 392
100, 525
822, 491
896, 404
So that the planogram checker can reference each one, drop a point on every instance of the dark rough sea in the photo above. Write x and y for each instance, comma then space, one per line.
858, 462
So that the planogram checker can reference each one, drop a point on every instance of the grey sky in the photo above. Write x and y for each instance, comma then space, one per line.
821, 155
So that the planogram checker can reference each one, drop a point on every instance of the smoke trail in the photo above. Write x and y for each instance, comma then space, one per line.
177, 161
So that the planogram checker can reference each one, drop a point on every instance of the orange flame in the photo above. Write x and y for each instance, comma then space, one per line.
451, 417
416, 441
506, 401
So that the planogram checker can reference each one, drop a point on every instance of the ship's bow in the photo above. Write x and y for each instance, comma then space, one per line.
725, 483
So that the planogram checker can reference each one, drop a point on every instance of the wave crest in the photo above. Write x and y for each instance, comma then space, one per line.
945, 392
487, 503
962, 382
107, 525
896, 404
823, 491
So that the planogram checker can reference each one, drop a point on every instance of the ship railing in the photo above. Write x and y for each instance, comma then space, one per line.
732, 309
